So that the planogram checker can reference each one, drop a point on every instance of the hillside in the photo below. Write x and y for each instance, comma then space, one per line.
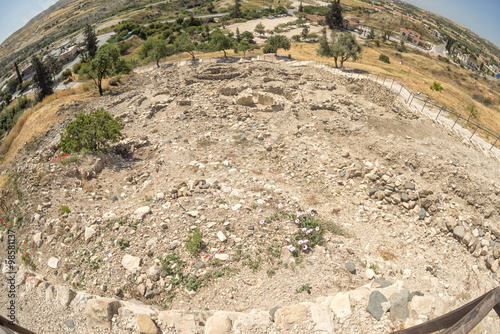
234, 151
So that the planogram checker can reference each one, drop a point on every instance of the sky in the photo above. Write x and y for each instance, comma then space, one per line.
14, 14
480, 16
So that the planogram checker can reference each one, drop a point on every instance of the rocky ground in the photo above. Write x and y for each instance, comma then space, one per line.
235, 153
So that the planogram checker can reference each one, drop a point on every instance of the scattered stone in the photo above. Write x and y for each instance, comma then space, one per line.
131, 263
199, 265
141, 212
221, 236
350, 267
289, 316
70, 324
459, 231
399, 308
100, 311
53, 262
421, 214
374, 304
64, 295
341, 305
146, 325
89, 233
222, 257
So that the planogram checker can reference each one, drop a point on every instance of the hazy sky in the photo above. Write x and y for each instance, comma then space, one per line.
479, 16
14, 14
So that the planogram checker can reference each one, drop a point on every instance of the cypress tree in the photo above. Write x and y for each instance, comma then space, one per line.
42, 78
334, 15
19, 77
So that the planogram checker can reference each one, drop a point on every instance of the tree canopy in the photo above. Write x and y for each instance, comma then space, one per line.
156, 49
260, 29
334, 15
279, 42
42, 78
344, 47
90, 42
220, 42
107, 61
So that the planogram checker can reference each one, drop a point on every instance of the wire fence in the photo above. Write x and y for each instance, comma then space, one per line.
442, 114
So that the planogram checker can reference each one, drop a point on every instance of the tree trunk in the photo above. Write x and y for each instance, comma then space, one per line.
99, 85
158, 63
225, 55
335, 58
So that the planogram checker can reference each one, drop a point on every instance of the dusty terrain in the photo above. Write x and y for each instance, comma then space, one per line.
232, 149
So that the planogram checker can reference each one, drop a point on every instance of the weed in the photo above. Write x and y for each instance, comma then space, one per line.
304, 287
194, 241
148, 198
271, 273
122, 243
134, 224
65, 209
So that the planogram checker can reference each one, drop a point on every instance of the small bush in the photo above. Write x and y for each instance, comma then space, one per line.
377, 43
123, 243
194, 242
65, 209
304, 287
91, 132
269, 49
66, 74
384, 58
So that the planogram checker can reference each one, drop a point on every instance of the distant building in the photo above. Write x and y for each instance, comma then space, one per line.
318, 19
350, 24
69, 55
412, 37
435, 33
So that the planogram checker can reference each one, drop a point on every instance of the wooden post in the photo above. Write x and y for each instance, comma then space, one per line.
393, 79
423, 106
384, 80
455, 122
400, 89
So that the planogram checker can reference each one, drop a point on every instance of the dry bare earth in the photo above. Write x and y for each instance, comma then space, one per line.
220, 147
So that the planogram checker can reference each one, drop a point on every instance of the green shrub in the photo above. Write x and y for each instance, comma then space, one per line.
194, 242
123, 243
65, 209
91, 132
66, 74
269, 49
384, 58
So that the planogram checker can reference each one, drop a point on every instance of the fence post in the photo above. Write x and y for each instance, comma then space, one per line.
474, 132
400, 89
425, 103
376, 78
412, 97
494, 143
409, 97
455, 122
393, 79
439, 113
384, 80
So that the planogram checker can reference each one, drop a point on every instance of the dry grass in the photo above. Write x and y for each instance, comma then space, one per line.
418, 72
37, 120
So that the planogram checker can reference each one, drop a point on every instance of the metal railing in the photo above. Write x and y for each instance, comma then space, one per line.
462, 320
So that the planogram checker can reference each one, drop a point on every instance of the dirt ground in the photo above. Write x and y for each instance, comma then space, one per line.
238, 149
